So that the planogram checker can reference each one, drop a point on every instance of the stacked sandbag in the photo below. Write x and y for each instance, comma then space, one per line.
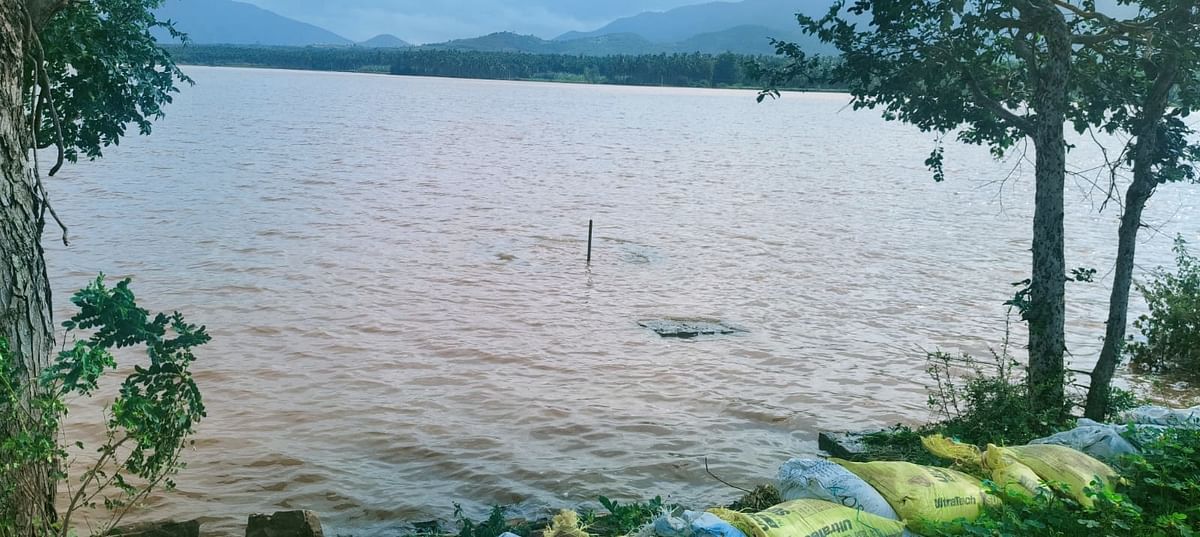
1029, 469
1100, 440
1061, 465
807, 518
815, 479
1188, 418
1136, 429
1012, 476
924, 496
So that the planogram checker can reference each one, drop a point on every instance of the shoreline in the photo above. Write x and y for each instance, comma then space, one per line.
536, 80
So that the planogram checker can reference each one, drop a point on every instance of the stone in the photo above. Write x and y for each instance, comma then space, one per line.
844, 445
689, 328
285, 524
190, 528
433, 527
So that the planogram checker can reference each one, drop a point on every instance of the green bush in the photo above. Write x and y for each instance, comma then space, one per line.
986, 403
974, 402
623, 519
496, 524
1172, 328
147, 424
1165, 478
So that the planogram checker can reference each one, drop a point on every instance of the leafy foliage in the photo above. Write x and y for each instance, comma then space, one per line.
991, 73
27, 439
622, 519
1143, 84
1166, 476
942, 66
149, 421
106, 72
495, 524
980, 403
987, 403
1172, 328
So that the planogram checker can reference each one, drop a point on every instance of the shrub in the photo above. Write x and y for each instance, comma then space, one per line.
1165, 478
624, 519
148, 423
987, 404
1172, 328
495, 524
972, 401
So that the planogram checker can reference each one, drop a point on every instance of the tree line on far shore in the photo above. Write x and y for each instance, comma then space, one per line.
682, 70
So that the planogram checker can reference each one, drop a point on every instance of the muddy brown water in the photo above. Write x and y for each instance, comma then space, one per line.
392, 270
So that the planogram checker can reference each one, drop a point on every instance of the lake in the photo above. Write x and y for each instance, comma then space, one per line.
393, 272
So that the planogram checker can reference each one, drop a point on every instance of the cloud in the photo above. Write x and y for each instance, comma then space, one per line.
425, 21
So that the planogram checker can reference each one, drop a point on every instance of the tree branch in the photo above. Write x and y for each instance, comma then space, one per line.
1091, 40
43, 79
1024, 51
41, 11
1083, 13
996, 107
47, 92
109, 452
1125, 26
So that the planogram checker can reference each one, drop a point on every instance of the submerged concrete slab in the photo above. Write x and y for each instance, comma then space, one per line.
159, 529
689, 328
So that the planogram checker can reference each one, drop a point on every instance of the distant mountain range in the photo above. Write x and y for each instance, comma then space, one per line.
238, 23
228, 22
684, 22
741, 39
743, 27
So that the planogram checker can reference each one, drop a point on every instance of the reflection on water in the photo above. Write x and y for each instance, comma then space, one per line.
392, 270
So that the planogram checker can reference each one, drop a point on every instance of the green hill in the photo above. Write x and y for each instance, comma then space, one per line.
741, 40
384, 41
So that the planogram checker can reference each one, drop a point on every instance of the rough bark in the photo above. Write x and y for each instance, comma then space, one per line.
1047, 311
1118, 305
1140, 191
25, 315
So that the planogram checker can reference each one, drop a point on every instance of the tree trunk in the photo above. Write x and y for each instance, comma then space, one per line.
1047, 312
1118, 305
1144, 183
25, 315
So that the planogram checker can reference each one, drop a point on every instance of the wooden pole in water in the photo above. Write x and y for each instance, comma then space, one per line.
589, 258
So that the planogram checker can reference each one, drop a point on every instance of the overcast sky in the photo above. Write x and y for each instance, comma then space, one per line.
427, 21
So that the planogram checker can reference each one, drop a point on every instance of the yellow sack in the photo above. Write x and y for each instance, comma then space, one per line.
1061, 464
811, 518
1012, 476
565, 524
1009, 474
948, 449
922, 494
